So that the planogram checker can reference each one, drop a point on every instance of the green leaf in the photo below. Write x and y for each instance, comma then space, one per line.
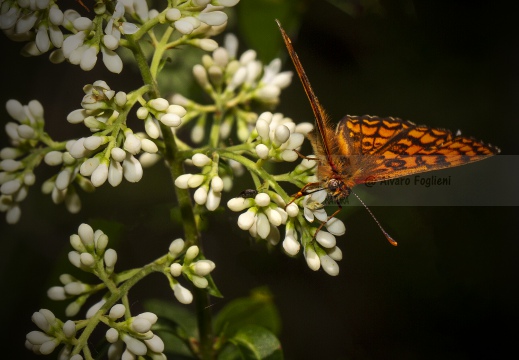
176, 325
252, 342
211, 288
257, 309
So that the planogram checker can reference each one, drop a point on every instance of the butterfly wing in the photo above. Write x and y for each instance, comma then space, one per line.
386, 148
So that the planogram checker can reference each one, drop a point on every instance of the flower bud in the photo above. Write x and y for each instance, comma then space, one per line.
262, 151
247, 219
239, 203
191, 253
213, 199
262, 199
203, 267
117, 311
329, 265
175, 269
182, 294
326, 239
53, 158
155, 344
201, 160
176, 247
159, 104
312, 260
292, 209
137, 347
262, 226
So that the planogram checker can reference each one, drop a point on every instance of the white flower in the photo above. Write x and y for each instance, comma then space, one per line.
278, 137
115, 27
112, 61
262, 218
313, 207
212, 15
72, 42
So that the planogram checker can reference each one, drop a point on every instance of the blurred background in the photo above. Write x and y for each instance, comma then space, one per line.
449, 290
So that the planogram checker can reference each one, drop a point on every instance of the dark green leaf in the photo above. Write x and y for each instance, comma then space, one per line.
211, 288
176, 325
252, 342
257, 309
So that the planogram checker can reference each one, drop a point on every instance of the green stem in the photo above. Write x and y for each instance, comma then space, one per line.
191, 234
155, 266
254, 168
214, 136
159, 50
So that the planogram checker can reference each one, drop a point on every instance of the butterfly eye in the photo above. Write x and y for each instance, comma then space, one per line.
335, 184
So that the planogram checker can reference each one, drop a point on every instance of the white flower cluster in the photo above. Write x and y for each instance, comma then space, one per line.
20, 19
111, 157
235, 82
195, 271
90, 253
160, 110
44, 22
134, 332
324, 250
53, 332
208, 184
263, 217
200, 17
16, 164
265, 213
133, 337
279, 137
262, 83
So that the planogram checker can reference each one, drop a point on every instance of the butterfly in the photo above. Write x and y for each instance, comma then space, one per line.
366, 149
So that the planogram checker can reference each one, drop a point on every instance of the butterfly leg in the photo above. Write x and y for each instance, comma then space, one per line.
304, 156
303, 192
328, 219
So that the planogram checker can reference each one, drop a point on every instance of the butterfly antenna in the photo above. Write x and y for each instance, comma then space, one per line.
388, 237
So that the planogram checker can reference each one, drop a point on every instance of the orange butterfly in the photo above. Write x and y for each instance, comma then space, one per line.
368, 148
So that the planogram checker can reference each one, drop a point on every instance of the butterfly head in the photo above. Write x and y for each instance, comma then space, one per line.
337, 188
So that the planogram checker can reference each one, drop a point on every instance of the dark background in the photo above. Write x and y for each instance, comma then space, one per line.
449, 290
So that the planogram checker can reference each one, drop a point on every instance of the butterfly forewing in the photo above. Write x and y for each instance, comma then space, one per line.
385, 148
